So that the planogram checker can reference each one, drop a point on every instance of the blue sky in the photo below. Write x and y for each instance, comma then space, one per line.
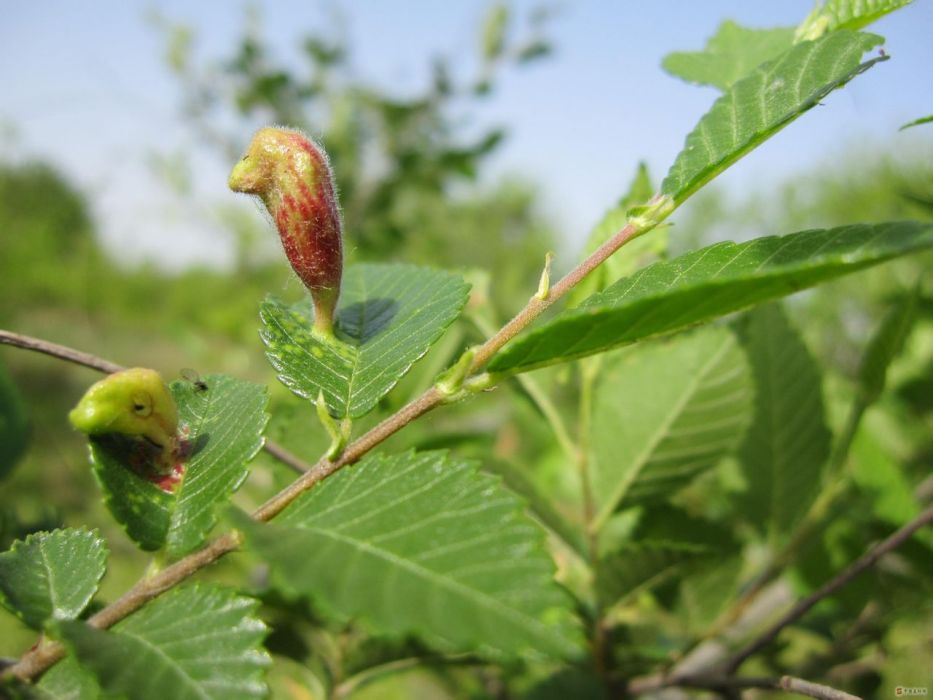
85, 86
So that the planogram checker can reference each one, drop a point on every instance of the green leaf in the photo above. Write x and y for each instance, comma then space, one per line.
66, 680
845, 14
788, 443
635, 255
886, 344
761, 104
639, 566
494, 30
51, 575
708, 283
389, 317
224, 424
540, 503
880, 476
14, 424
917, 122
196, 642
732, 53
665, 412
706, 592
424, 544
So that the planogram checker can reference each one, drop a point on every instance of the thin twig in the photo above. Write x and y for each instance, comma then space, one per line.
77, 357
812, 523
60, 351
725, 683
803, 606
42, 657
35, 662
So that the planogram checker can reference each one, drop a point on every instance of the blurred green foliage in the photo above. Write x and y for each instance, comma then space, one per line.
407, 173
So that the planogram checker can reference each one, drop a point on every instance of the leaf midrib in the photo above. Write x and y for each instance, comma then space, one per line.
662, 430
453, 586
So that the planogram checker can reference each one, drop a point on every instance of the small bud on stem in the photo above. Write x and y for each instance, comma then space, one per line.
292, 177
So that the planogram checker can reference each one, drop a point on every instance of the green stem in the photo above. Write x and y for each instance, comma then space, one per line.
34, 662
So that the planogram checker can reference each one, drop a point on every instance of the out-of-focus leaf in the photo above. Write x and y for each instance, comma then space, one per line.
758, 106
886, 344
708, 283
788, 443
197, 643
705, 593
66, 680
639, 566
533, 50
224, 424
566, 684
424, 544
14, 424
876, 473
494, 29
51, 575
917, 122
663, 413
389, 317
730, 54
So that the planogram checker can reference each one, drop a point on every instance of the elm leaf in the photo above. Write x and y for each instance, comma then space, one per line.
708, 283
388, 317
52, 575
225, 422
665, 412
193, 643
759, 105
422, 543
730, 54
787, 446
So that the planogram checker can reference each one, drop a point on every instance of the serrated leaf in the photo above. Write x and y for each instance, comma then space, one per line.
66, 680
14, 424
224, 424
51, 575
788, 443
389, 316
540, 504
639, 566
663, 413
424, 544
761, 104
885, 344
708, 283
635, 255
845, 14
733, 52
197, 642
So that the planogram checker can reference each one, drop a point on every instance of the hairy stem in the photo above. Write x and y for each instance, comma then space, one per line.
541, 399
35, 662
